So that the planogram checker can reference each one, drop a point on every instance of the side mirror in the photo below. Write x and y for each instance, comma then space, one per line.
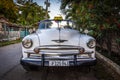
32, 31
86, 31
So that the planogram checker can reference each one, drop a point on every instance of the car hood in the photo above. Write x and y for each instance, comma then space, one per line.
59, 37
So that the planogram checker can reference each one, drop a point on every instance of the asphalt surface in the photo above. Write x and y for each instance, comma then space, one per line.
10, 68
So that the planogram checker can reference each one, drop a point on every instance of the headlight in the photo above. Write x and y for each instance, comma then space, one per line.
27, 43
91, 43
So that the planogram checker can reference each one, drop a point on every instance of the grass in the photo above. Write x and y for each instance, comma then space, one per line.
5, 43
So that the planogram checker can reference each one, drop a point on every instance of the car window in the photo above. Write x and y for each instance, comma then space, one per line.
55, 24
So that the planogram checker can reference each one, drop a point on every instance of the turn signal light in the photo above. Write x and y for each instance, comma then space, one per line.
81, 50
37, 50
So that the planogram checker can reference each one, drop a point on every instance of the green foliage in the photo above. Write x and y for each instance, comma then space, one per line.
27, 13
104, 14
8, 9
101, 16
22, 2
30, 13
118, 40
4, 43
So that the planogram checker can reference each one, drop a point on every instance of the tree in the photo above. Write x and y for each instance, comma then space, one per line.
27, 13
103, 16
22, 2
9, 10
104, 13
31, 13
78, 11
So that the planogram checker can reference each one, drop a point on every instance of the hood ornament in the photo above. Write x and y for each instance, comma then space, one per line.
59, 41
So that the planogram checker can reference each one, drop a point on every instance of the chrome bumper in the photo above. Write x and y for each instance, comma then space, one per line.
91, 62
44, 61
73, 61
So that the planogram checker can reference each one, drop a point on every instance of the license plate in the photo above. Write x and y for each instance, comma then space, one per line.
58, 63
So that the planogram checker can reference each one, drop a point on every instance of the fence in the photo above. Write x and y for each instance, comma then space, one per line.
12, 32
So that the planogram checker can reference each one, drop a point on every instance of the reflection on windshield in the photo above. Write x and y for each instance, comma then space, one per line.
55, 24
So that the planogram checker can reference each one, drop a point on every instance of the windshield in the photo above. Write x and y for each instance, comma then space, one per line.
48, 24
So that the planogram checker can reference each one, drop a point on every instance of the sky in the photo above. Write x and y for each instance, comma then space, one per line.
54, 7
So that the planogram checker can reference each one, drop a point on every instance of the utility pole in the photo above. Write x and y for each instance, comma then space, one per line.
47, 3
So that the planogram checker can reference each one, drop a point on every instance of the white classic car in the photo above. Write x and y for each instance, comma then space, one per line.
56, 43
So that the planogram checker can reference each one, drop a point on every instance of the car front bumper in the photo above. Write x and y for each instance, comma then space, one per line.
43, 60
91, 62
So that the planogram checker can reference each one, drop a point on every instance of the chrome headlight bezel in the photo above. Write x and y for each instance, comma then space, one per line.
91, 43
27, 43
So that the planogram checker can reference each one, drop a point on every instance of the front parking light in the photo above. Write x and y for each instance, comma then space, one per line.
36, 50
81, 50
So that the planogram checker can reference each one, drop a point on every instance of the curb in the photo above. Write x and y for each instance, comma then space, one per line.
115, 68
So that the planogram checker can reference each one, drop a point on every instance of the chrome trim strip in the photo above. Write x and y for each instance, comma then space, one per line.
60, 58
59, 47
57, 53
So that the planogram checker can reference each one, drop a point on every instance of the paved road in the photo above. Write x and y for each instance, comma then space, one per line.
10, 68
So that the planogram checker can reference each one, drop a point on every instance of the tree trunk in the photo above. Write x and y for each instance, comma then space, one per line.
108, 41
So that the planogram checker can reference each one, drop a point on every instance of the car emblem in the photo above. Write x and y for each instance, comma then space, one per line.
59, 41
